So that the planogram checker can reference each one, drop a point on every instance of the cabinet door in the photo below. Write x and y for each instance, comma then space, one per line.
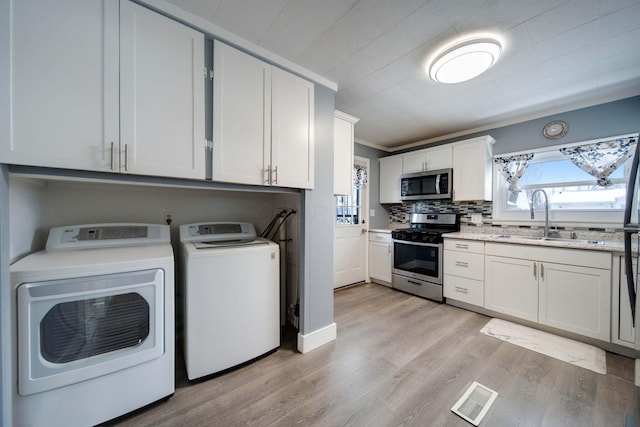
413, 162
342, 154
472, 171
390, 171
64, 88
161, 95
438, 158
622, 329
292, 130
511, 287
241, 117
380, 261
576, 299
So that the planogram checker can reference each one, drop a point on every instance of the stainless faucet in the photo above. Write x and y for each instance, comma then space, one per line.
546, 209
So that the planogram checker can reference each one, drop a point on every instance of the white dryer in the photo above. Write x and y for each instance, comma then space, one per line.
231, 290
93, 324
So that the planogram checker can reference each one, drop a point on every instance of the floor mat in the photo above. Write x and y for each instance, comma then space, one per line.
576, 353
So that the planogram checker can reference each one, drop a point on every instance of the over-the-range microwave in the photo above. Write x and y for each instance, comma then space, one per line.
430, 185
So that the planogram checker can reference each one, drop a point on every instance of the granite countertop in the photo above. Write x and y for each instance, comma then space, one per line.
595, 245
380, 230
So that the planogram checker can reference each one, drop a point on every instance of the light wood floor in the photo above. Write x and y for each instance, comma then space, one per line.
400, 360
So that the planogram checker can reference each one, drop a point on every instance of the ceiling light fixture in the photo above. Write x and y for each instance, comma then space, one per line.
464, 60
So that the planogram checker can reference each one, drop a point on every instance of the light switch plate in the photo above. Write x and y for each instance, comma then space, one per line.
372, 212
476, 218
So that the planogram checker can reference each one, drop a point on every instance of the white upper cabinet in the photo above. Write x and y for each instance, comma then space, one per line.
292, 131
472, 173
161, 95
263, 120
64, 89
390, 171
241, 117
343, 128
427, 160
104, 85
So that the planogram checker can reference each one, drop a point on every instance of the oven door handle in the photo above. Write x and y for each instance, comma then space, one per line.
406, 242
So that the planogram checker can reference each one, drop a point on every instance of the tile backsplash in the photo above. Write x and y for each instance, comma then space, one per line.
400, 213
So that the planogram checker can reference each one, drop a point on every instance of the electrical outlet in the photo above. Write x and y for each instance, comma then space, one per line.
168, 217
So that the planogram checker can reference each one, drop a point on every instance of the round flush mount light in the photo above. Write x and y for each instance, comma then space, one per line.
464, 59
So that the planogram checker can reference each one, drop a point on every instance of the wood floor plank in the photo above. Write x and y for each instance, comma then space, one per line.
398, 360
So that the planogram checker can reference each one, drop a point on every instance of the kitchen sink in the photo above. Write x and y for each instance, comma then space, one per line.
550, 239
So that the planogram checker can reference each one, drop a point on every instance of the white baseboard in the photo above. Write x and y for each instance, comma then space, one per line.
638, 372
317, 338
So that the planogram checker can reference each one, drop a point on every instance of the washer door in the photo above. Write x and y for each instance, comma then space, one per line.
81, 328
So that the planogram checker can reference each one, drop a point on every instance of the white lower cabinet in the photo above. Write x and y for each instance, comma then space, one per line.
463, 275
622, 330
511, 287
563, 288
576, 299
380, 257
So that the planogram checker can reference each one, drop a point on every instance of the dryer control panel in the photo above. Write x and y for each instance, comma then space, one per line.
106, 235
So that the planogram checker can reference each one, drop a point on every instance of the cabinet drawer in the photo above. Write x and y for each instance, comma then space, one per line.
463, 289
463, 264
464, 245
379, 237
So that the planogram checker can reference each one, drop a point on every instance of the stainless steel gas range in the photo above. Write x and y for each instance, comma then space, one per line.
417, 254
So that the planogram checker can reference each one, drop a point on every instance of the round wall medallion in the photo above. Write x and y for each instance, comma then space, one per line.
555, 129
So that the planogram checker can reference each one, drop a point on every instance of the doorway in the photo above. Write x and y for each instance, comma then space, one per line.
351, 229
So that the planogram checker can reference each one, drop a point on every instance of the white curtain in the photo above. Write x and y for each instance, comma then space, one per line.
601, 159
513, 168
360, 176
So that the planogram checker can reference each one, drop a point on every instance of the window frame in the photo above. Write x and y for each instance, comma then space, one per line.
599, 218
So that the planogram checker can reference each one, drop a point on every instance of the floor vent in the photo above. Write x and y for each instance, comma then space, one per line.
474, 403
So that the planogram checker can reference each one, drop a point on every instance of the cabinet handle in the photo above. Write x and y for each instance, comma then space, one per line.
267, 172
126, 157
461, 246
275, 170
462, 264
389, 249
462, 290
113, 158
542, 271
535, 270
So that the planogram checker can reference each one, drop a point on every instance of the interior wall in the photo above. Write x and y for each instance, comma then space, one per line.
318, 205
66, 203
26, 210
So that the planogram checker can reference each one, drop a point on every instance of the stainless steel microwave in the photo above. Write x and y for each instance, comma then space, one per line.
430, 185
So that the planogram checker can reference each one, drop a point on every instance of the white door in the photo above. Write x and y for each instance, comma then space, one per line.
351, 237
161, 95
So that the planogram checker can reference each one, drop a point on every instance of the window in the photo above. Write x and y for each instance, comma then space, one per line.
349, 208
574, 196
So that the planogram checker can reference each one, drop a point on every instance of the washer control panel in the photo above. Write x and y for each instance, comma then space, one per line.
218, 232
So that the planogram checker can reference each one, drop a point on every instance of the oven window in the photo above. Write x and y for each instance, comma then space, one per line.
417, 259
80, 329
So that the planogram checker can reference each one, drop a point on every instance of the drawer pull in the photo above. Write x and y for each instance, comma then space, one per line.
462, 264
461, 246
462, 290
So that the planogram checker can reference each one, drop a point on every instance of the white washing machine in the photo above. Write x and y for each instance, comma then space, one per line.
93, 324
231, 289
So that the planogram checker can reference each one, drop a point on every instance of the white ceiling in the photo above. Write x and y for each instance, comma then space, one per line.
558, 55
